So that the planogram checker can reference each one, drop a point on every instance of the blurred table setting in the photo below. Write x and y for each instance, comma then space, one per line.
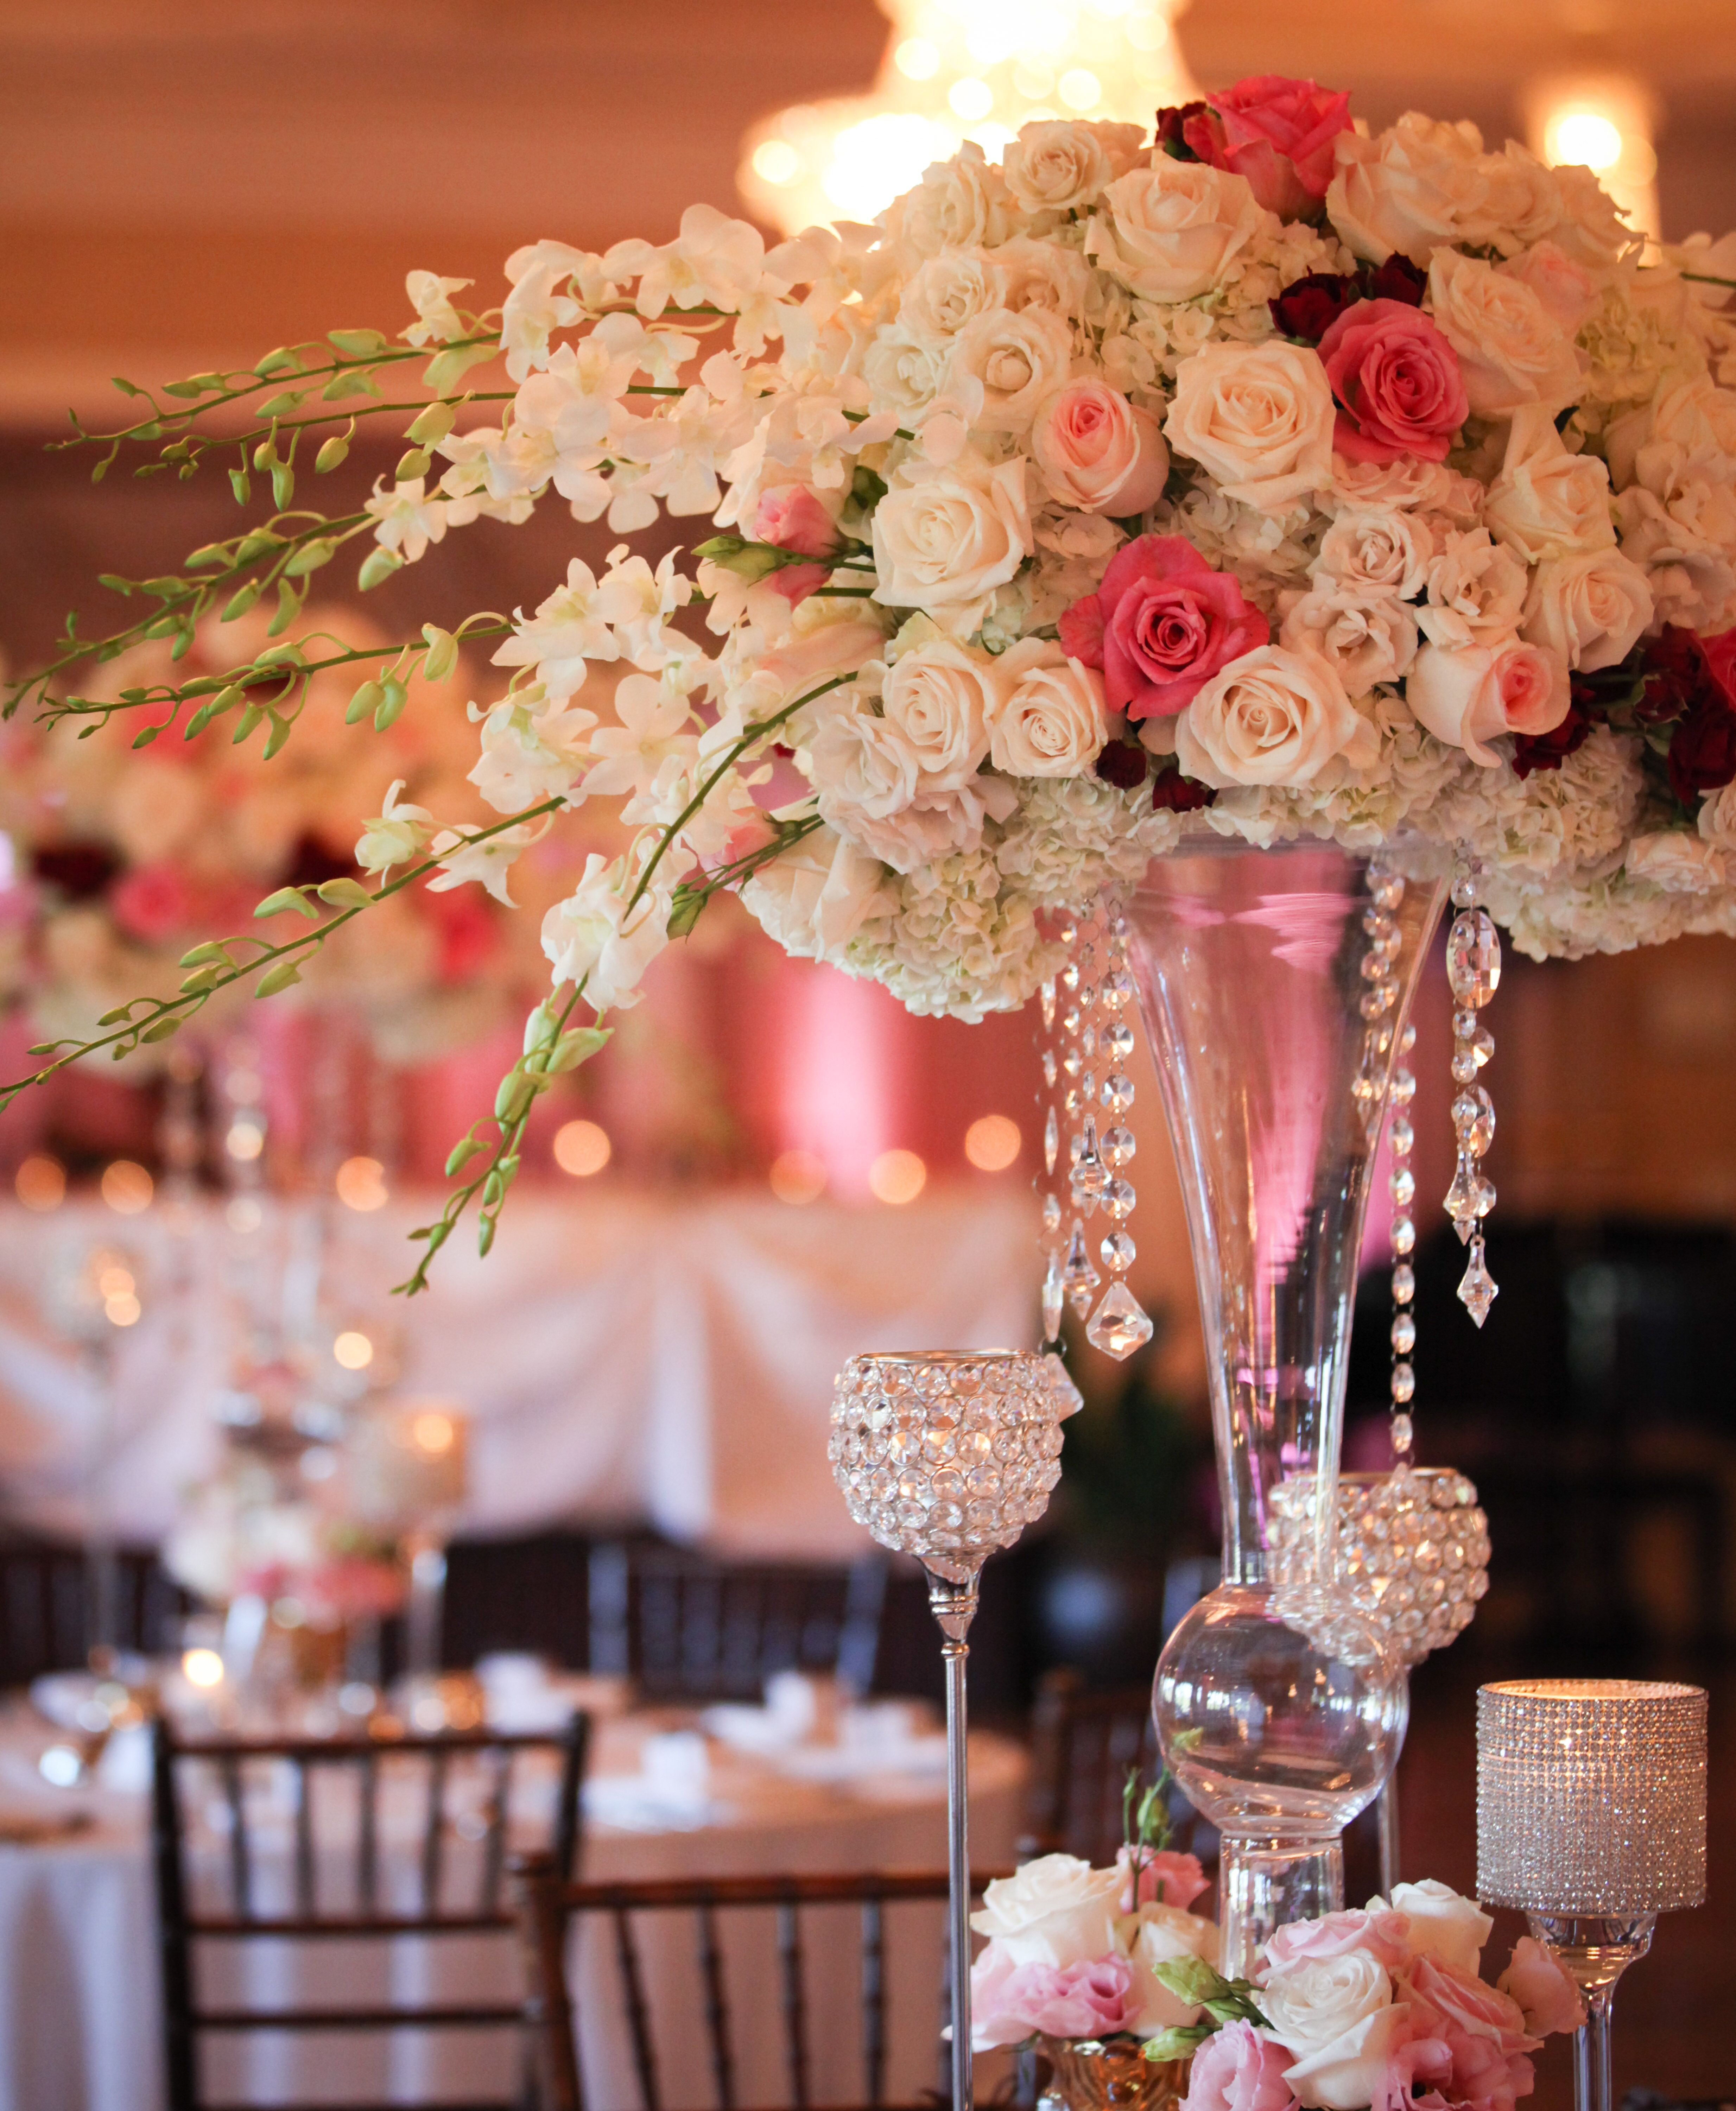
811, 1782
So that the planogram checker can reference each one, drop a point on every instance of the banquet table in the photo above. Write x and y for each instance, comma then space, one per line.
80, 2003
622, 1355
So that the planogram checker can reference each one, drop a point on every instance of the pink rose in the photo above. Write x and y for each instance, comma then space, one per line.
1382, 1935
1161, 625
153, 902
1239, 2068
1096, 451
1166, 1878
1398, 384
1469, 695
1544, 1990
1277, 133
1564, 286
790, 517
1009, 2001
1483, 2029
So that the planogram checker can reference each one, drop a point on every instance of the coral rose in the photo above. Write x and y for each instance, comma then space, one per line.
1166, 1877
1396, 381
1279, 134
1097, 451
1161, 625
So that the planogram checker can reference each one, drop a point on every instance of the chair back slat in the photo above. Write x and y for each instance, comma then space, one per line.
304, 1877
874, 1999
367, 1832
716, 2008
293, 1907
433, 1836
638, 2017
240, 1860
795, 2001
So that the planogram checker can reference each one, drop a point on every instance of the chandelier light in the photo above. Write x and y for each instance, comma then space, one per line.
954, 70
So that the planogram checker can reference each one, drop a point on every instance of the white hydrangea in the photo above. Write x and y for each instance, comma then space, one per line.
1073, 836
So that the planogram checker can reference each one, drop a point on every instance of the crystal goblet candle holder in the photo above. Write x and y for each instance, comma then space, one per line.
948, 1455
1591, 1820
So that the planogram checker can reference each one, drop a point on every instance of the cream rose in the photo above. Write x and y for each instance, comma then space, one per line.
1056, 1910
949, 291
1512, 350
1174, 230
1688, 429
1058, 165
1676, 862
1476, 591
1274, 716
905, 372
1343, 2074
814, 897
1592, 609
1313, 2004
1469, 695
1379, 548
1097, 451
1016, 358
1718, 818
1259, 418
1410, 482
1411, 188
945, 538
858, 762
1546, 502
1591, 229
1524, 202
1445, 1926
958, 204
939, 698
1364, 638
1691, 577
1566, 289
1159, 1934
1050, 719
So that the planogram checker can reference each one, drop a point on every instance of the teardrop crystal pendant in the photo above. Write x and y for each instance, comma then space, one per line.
1120, 1324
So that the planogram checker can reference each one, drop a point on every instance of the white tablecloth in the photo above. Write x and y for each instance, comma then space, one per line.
623, 1356
80, 2013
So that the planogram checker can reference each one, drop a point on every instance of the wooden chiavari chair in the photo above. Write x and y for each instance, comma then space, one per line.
548, 1908
373, 1907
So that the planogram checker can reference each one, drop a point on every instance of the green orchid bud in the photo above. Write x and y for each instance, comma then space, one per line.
442, 655
411, 464
378, 565
334, 452
393, 697
287, 898
367, 699
432, 424
279, 977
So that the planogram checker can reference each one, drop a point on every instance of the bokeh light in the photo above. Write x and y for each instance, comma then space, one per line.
896, 1177
799, 1177
582, 1148
992, 1142
360, 1183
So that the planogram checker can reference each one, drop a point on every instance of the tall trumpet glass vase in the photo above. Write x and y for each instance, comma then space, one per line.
1275, 985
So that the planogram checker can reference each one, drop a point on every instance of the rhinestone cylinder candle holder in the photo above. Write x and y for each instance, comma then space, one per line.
1591, 1820
948, 1455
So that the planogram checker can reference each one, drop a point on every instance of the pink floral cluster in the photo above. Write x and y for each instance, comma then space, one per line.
1387, 2010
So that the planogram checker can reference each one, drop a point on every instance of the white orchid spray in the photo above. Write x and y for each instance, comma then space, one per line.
1264, 479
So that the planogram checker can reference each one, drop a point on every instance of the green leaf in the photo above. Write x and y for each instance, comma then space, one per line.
287, 898
277, 979
357, 343
344, 893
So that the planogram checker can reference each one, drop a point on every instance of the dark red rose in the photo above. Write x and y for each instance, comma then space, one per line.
1173, 792
1397, 279
1172, 125
1677, 678
1121, 762
78, 870
1308, 308
1719, 655
1702, 751
1548, 751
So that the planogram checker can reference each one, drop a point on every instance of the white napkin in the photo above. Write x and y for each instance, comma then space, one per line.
881, 1737
795, 1706
671, 1793
521, 1694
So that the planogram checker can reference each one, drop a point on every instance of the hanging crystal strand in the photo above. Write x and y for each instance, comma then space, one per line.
1402, 1188
1048, 1046
1474, 974
1079, 1055
1120, 1324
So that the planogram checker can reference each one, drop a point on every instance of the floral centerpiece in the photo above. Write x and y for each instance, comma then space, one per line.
1374, 2011
1261, 477
1073, 1955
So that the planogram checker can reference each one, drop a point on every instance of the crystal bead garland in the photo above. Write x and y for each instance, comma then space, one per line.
1473, 974
1380, 924
1084, 1025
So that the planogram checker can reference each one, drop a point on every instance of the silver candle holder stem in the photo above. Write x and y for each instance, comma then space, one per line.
953, 1601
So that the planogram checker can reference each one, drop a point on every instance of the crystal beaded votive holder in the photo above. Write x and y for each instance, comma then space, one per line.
1591, 1796
1413, 1550
948, 1455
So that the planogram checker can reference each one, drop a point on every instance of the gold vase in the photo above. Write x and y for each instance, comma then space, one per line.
1091, 2074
